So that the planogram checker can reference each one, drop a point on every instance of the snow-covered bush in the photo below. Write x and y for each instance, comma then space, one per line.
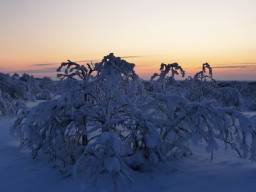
10, 90
107, 120
247, 90
7, 105
27, 87
252, 105
179, 121
87, 109
213, 123
143, 146
103, 156
201, 85
40, 89
227, 97
16, 88
163, 82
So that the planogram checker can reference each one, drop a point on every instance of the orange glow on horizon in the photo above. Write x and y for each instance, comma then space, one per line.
187, 32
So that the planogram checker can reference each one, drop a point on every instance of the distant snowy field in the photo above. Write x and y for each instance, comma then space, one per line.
19, 172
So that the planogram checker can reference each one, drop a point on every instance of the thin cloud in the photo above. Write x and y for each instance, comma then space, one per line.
47, 64
82, 61
88, 61
44, 70
236, 66
146, 65
133, 56
44, 64
253, 63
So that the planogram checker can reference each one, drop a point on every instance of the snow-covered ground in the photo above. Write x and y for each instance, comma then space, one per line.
19, 172
249, 113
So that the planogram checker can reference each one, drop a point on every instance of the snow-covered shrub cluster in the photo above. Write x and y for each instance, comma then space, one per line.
163, 82
28, 88
227, 97
108, 120
14, 90
7, 105
200, 87
15, 87
40, 88
247, 90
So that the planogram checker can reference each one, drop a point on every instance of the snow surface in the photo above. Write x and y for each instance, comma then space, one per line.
19, 172
249, 113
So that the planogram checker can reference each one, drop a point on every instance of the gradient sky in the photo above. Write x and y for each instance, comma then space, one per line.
146, 32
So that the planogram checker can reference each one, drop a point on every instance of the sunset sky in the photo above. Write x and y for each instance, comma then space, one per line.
37, 35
